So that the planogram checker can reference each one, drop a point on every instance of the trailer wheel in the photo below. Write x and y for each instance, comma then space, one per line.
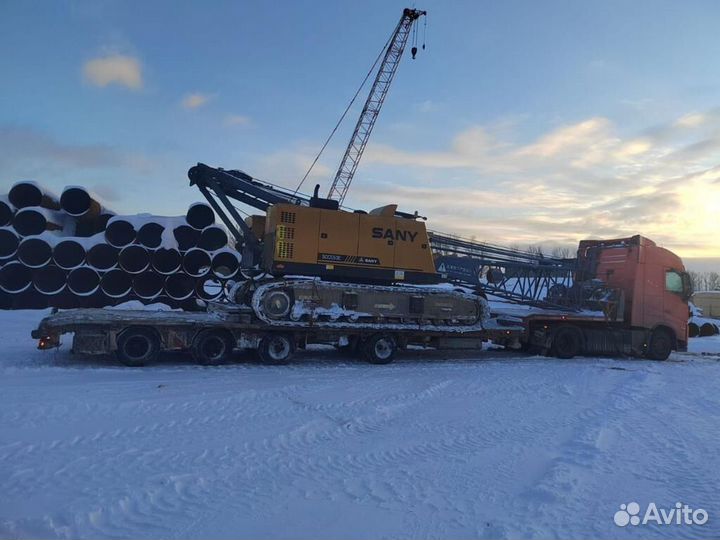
379, 349
212, 347
660, 345
137, 346
567, 341
276, 349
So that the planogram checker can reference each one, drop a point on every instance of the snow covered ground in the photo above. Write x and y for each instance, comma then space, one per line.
481, 445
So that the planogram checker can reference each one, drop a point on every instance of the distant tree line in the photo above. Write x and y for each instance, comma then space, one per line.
705, 281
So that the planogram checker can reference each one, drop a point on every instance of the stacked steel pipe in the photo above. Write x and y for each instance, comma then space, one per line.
70, 251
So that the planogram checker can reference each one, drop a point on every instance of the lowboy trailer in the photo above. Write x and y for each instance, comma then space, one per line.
137, 337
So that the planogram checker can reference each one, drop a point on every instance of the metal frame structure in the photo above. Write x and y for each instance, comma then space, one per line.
373, 104
518, 276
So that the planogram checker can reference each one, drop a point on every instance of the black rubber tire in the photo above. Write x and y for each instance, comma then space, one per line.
276, 348
212, 346
379, 349
660, 345
567, 341
137, 346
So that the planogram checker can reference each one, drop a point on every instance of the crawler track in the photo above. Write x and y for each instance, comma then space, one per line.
310, 304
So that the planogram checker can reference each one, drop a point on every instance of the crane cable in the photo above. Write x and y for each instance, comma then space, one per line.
387, 43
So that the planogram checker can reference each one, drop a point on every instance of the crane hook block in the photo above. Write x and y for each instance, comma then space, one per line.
413, 51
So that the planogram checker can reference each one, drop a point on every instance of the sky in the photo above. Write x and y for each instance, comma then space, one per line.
521, 122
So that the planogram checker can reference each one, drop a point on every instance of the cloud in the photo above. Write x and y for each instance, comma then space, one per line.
288, 167
195, 100
575, 181
236, 120
114, 69
31, 154
691, 120
22, 145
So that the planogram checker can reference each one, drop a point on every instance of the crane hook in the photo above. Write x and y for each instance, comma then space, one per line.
413, 51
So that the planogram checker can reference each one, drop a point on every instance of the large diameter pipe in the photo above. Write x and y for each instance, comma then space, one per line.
69, 254
209, 288
134, 259
119, 232
196, 262
34, 220
15, 277
34, 252
7, 211
103, 256
65, 299
186, 237
9, 242
166, 260
83, 281
49, 279
92, 226
179, 286
116, 283
77, 202
103, 220
24, 194
225, 263
30, 299
150, 234
213, 238
148, 285
200, 216
97, 300
191, 304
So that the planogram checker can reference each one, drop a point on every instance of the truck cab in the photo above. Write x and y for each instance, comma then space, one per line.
653, 283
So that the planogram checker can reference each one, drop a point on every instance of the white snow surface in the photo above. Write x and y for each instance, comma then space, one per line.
486, 444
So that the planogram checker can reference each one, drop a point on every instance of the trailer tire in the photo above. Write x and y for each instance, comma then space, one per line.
379, 349
137, 346
660, 345
567, 341
211, 347
276, 348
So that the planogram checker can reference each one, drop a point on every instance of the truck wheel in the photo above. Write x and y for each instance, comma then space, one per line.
136, 346
276, 349
212, 347
379, 349
660, 345
567, 341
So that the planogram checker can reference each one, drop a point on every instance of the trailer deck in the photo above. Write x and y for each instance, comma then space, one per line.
100, 331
